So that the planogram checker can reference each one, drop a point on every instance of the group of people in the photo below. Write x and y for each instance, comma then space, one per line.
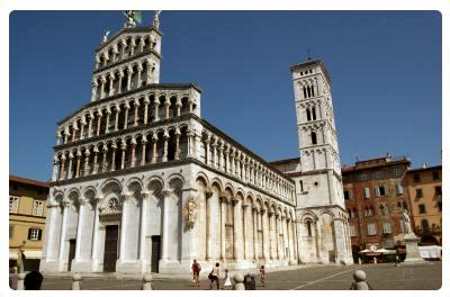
215, 274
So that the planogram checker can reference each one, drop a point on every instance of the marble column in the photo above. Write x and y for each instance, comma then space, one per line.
238, 238
166, 146
223, 211
143, 248
266, 235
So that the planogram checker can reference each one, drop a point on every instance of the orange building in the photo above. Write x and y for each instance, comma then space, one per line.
27, 213
424, 186
375, 197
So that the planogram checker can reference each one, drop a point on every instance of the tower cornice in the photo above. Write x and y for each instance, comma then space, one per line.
127, 30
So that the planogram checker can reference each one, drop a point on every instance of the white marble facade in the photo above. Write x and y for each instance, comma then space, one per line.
141, 183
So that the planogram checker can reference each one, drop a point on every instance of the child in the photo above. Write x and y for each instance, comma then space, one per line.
262, 275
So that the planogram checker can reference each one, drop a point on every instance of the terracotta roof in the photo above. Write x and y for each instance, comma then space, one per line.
425, 169
277, 162
28, 181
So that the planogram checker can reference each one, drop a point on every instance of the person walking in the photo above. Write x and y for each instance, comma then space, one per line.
227, 285
262, 275
214, 276
196, 268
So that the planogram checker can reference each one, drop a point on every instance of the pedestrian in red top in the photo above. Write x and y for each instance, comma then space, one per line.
196, 268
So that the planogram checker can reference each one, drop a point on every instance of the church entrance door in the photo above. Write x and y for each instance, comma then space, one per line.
110, 257
156, 252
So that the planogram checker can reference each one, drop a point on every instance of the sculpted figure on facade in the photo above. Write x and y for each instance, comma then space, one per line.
190, 213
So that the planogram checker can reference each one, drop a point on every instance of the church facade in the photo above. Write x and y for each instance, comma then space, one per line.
142, 183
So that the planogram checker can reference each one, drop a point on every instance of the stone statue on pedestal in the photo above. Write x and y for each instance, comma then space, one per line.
406, 220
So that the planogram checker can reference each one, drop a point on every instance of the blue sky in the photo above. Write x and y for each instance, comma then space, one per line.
385, 69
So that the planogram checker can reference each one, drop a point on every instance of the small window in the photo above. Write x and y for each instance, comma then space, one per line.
399, 189
38, 208
419, 193
416, 177
382, 191
301, 186
366, 192
436, 175
353, 231
308, 115
34, 234
313, 111
347, 195
313, 138
13, 204
438, 190
422, 208
387, 228
371, 229
308, 227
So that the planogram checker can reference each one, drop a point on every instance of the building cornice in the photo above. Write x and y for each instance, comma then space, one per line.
172, 86
127, 30
127, 60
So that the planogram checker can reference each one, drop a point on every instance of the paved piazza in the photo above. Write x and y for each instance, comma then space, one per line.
331, 277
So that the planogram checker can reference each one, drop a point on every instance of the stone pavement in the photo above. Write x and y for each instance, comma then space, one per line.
425, 276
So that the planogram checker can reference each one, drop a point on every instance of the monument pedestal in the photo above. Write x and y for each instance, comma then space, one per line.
412, 248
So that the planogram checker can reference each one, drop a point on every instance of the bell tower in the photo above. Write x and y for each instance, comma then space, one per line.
318, 147
323, 225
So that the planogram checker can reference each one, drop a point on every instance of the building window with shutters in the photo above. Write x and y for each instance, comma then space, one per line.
353, 231
366, 192
419, 193
38, 208
380, 191
387, 228
436, 175
422, 208
347, 195
371, 229
34, 234
438, 190
13, 204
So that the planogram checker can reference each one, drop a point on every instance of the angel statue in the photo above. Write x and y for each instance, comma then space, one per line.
133, 17
156, 19
105, 37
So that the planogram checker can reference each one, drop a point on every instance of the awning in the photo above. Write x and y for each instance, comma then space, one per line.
13, 255
32, 254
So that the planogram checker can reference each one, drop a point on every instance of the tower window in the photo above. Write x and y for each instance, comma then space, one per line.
308, 115
313, 138
308, 226
305, 94
313, 109
301, 186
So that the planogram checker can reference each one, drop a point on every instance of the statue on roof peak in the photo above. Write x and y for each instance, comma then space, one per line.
156, 19
133, 18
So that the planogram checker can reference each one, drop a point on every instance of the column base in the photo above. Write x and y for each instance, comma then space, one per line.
128, 266
82, 265
49, 266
